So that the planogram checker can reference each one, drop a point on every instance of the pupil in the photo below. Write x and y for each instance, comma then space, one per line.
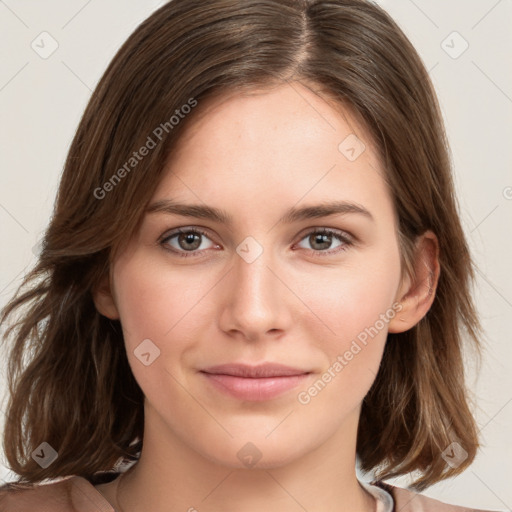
189, 239
322, 238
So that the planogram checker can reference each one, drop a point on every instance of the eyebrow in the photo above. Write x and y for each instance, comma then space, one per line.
292, 215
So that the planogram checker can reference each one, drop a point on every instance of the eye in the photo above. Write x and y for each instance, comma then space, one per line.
322, 238
188, 241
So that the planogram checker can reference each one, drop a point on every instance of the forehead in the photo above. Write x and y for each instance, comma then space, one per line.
272, 146
281, 108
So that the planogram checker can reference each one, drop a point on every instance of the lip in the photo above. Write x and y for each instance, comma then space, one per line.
254, 383
254, 371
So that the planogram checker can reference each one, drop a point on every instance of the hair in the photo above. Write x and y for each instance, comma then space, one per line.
69, 380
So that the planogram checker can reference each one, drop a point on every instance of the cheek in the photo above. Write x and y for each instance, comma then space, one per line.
357, 317
354, 297
355, 308
158, 304
150, 298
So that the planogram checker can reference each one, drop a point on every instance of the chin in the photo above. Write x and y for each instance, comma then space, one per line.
256, 452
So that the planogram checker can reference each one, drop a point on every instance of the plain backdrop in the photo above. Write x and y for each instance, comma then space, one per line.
465, 45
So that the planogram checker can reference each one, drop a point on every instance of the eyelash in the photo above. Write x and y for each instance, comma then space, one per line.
341, 236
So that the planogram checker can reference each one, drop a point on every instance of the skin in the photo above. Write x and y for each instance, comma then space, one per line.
255, 156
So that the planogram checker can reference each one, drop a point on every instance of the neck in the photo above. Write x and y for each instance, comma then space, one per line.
171, 476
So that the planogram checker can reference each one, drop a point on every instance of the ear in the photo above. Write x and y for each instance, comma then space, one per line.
417, 293
104, 299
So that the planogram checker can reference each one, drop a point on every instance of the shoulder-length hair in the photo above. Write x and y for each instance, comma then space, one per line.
69, 381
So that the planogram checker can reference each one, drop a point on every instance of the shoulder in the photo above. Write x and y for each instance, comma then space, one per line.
410, 501
67, 494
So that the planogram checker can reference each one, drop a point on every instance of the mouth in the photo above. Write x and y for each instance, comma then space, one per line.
254, 383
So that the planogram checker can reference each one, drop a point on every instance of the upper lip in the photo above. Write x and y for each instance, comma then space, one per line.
257, 371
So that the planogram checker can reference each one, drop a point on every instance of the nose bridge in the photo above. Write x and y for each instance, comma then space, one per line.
254, 276
254, 280
254, 304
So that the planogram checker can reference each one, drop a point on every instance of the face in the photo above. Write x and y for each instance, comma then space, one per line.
315, 291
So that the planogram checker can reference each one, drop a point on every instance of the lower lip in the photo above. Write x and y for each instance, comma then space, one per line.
253, 389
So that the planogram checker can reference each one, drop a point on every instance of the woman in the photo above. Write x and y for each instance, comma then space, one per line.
255, 273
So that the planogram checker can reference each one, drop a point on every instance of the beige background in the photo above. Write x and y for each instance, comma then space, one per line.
42, 99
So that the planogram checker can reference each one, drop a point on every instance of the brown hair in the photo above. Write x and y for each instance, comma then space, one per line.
69, 380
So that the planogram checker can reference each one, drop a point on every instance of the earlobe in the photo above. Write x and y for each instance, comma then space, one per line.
104, 300
419, 294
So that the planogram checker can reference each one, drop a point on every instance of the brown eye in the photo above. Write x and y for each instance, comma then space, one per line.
185, 240
189, 240
321, 240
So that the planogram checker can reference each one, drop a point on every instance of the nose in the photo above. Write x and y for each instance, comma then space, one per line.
256, 302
